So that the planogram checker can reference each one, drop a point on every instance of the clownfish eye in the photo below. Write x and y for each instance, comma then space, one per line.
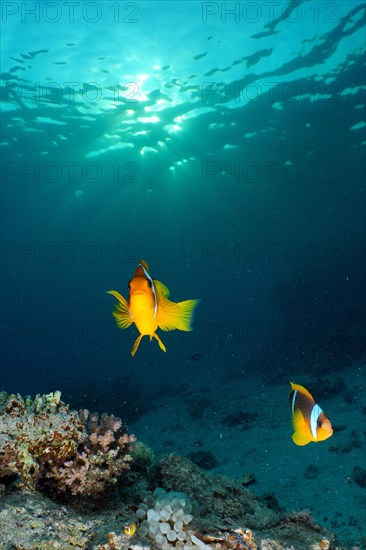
149, 283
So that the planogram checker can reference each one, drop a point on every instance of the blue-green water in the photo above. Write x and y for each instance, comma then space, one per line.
224, 144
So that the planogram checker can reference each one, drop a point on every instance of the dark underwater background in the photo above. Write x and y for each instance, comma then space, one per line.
223, 143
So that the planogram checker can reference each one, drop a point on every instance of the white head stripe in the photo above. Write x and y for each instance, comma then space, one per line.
314, 415
293, 401
152, 288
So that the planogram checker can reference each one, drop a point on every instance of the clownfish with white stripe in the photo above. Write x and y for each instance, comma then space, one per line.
308, 420
149, 308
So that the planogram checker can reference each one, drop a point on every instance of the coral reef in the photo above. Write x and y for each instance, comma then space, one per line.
248, 478
99, 460
31, 521
33, 433
61, 451
167, 523
223, 502
166, 519
215, 495
162, 504
142, 457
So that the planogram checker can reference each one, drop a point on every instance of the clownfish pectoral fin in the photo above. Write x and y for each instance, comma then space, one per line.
173, 316
136, 345
161, 289
161, 345
121, 313
301, 434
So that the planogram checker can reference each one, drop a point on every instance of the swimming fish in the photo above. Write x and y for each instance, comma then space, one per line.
149, 308
130, 529
308, 420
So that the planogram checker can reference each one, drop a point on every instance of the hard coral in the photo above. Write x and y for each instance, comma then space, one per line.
100, 459
33, 433
58, 450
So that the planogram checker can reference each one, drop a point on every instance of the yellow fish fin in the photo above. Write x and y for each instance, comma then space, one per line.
301, 435
173, 316
119, 297
121, 313
161, 288
161, 345
130, 529
300, 439
136, 345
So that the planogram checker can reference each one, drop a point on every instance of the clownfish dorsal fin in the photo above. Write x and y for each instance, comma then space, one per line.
301, 389
144, 264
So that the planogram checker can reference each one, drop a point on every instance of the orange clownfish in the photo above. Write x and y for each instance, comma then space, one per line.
149, 308
308, 420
